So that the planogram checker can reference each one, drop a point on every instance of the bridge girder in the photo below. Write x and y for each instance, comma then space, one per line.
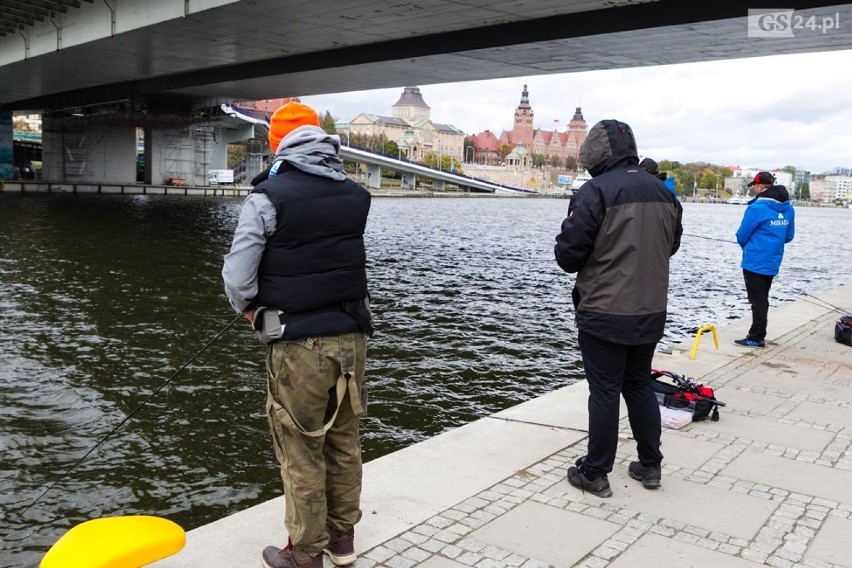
231, 50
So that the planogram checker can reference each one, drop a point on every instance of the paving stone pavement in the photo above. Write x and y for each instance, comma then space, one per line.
772, 484
769, 484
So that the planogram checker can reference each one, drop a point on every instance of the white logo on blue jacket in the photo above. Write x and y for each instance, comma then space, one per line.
782, 223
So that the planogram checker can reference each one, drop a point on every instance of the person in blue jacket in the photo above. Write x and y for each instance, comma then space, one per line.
768, 224
653, 168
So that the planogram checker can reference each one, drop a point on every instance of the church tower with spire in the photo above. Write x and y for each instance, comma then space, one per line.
522, 129
578, 123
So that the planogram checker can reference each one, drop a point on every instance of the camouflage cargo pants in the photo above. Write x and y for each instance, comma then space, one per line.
316, 397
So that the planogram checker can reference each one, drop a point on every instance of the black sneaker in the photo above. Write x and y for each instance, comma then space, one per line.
341, 546
649, 476
598, 487
748, 342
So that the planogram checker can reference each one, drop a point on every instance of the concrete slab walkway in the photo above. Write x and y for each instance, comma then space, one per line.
770, 483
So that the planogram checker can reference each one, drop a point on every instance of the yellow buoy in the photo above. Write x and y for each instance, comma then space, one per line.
116, 542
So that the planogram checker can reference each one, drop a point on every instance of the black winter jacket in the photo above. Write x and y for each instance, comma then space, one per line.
621, 229
314, 264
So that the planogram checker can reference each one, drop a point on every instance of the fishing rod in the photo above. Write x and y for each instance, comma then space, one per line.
129, 416
620, 436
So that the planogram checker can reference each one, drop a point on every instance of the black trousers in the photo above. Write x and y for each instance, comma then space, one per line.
613, 370
757, 288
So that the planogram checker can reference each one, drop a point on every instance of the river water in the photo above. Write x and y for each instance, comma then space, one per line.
102, 298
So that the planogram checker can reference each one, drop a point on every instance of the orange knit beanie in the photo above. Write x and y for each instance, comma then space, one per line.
288, 118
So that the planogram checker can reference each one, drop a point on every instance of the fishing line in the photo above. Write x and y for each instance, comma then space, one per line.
709, 238
46, 371
825, 304
129, 416
552, 280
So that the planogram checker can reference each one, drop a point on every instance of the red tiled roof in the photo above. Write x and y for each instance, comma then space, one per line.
485, 141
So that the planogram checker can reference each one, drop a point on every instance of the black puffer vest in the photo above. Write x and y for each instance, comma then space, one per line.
314, 265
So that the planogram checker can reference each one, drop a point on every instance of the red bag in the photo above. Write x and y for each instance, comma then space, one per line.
680, 392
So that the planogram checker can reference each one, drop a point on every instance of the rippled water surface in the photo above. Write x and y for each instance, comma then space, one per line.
102, 298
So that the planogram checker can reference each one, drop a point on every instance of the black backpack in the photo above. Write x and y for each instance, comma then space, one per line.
682, 393
843, 330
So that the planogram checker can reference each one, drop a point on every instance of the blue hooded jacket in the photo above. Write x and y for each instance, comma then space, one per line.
768, 224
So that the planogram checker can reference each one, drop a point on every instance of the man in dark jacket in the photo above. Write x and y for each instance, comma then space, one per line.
653, 168
297, 270
768, 224
621, 229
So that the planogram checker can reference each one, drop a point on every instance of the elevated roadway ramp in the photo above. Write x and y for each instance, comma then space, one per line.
413, 171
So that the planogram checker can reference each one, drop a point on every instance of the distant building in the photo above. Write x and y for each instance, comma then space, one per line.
838, 187
486, 149
736, 185
551, 144
783, 178
373, 126
519, 157
411, 106
828, 188
800, 178
410, 126
819, 188
522, 131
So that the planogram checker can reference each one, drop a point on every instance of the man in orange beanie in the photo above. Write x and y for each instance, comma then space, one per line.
287, 118
297, 270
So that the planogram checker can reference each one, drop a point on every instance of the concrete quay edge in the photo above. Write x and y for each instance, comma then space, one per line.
770, 483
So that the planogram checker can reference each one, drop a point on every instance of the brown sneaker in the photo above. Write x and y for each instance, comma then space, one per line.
289, 557
341, 546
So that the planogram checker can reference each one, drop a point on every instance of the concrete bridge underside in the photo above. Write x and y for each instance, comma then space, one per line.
135, 63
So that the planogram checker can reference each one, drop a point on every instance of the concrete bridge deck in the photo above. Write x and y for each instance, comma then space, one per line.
769, 484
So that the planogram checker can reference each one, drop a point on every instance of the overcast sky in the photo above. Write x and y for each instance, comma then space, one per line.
765, 112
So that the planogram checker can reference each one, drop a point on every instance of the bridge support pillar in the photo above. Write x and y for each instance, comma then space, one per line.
7, 151
408, 181
77, 152
183, 156
374, 176
437, 185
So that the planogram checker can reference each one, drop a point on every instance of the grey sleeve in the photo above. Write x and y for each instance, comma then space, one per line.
256, 224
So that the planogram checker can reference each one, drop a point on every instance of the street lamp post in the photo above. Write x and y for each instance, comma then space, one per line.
694, 185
